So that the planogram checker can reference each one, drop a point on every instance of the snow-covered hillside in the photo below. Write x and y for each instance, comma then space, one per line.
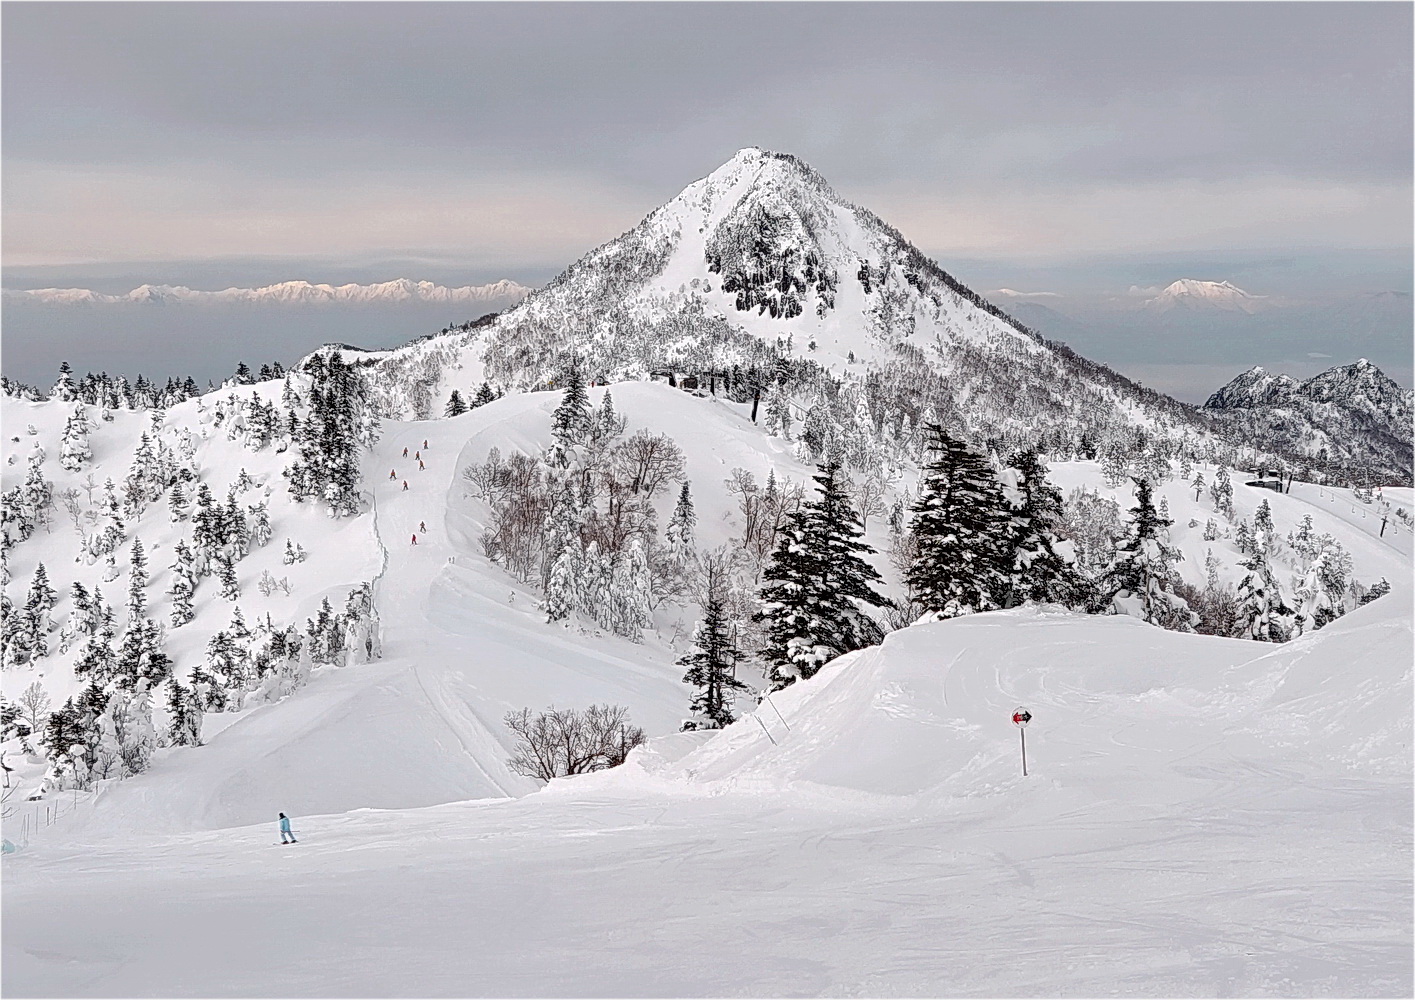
1202, 817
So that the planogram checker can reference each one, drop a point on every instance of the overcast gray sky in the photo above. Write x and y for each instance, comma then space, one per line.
1079, 148
522, 135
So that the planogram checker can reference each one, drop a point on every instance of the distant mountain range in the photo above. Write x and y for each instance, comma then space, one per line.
499, 293
1351, 413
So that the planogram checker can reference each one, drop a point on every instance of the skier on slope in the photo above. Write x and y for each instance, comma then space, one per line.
405, 452
415, 539
285, 830
392, 473
421, 467
405, 484
422, 526
424, 442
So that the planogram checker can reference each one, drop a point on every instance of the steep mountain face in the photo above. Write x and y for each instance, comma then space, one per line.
1352, 413
1216, 296
761, 272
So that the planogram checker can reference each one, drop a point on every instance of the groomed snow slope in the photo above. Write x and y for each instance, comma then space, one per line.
463, 642
1203, 817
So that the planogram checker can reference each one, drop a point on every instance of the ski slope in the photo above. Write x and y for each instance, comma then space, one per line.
1203, 817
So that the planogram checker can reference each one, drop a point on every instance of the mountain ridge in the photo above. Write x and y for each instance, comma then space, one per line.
294, 292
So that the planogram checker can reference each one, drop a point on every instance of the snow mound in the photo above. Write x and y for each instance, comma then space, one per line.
1116, 705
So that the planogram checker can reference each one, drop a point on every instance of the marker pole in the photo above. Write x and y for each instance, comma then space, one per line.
1024, 751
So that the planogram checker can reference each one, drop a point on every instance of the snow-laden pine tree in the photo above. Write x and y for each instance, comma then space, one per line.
184, 715
341, 424
1040, 565
712, 665
39, 606
679, 535
226, 574
64, 390
456, 405
631, 591
184, 585
562, 587
74, 449
1222, 493
137, 582
960, 529
260, 523
817, 585
570, 423
1262, 612
484, 395
1139, 577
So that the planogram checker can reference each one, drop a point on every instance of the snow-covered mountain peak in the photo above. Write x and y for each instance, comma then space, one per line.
1193, 293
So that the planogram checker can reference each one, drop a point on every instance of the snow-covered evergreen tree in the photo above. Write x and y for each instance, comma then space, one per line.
959, 526
64, 389
341, 424
137, 582
815, 586
456, 405
184, 715
679, 534
1262, 611
1222, 493
184, 585
74, 449
226, 574
1040, 566
712, 665
1139, 577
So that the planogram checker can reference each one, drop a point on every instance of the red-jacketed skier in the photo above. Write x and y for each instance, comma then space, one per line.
415, 539
405, 452
392, 473
405, 484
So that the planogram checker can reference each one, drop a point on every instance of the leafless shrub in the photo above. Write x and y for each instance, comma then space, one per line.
562, 742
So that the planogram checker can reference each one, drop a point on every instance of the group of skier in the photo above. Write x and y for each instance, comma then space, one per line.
393, 474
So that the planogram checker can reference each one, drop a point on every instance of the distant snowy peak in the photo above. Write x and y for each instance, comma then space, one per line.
1191, 293
500, 293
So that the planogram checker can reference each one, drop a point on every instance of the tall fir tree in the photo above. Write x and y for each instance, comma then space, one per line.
960, 529
456, 405
1040, 566
816, 584
184, 715
712, 666
1139, 575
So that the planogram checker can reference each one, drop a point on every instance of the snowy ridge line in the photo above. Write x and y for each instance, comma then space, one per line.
398, 290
